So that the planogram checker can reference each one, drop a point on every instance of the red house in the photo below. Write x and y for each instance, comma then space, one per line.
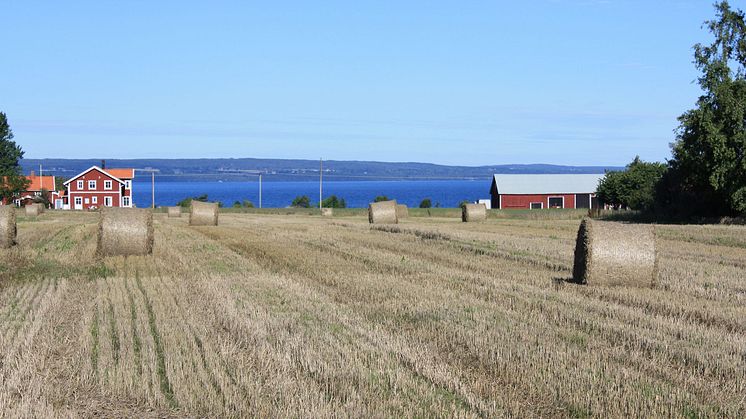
97, 187
545, 191
37, 186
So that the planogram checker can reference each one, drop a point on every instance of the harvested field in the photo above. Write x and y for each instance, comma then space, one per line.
272, 315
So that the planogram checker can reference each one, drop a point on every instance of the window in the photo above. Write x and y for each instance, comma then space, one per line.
125, 201
92, 185
87, 201
80, 185
94, 200
107, 201
78, 201
556, 202
108, 185
537, 205
127, 184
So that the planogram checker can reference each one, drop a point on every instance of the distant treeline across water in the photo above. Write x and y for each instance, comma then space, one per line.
357, 194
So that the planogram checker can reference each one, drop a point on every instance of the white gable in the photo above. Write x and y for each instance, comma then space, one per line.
546, 184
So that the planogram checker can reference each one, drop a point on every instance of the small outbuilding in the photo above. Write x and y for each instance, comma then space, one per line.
545, 191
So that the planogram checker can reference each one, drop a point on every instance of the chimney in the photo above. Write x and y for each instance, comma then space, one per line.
103, 164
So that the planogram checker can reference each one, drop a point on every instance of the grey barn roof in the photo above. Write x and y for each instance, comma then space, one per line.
546, 184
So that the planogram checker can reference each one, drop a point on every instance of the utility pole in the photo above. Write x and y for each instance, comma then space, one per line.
321, 182
152, 184
260, 190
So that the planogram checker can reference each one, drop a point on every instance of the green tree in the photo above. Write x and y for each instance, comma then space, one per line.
381, 198
247, 204
12, 180
59, 183
426, 203
301, 202
632, 188
707, 174
334, 202
462, 204
237, 204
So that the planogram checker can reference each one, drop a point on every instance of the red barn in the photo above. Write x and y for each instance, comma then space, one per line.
544, 191
38, 185
97, 187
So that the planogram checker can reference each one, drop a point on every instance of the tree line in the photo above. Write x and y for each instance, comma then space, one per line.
706, 176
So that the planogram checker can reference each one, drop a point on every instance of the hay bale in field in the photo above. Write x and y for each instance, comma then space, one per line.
402, 211
125, 232
174, 212
610, 253
383, 212
33, 210
8, 231
203, 214
473, 212
327, 212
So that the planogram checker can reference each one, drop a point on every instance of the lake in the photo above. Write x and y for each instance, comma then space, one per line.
357, 194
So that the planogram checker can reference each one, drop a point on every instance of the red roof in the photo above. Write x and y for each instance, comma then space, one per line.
123, 174
41, 182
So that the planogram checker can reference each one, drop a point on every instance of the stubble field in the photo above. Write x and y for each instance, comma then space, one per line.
270, 315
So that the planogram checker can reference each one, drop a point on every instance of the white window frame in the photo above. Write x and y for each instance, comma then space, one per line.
108, 185
92, 185
78, 201
81, 185
127, 184
551, 197
126, 201
531, 205
94, 200
108, 201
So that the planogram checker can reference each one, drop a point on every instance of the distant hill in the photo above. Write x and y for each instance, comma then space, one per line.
283, 170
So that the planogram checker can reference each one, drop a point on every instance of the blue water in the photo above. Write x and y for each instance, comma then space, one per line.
357, 194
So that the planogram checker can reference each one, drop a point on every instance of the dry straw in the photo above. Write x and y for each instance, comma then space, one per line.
473, 212
402, 212
125, 232
327, 212
610, 253
203, 214
383, 213
8, 231
174, 212
33, 210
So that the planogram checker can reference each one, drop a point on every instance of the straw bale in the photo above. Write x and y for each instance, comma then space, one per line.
125, 232
174, 212
203, 214
382, 213
33, 210
327, 212
8, 231
611, 253
402, 211
473, 212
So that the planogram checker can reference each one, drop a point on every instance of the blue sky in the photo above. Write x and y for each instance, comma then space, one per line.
579, 82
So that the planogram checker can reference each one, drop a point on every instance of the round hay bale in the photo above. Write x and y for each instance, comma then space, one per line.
473, 212
203, 214
8, 230
611, 253
125, 232
402, 211
327, 212
174, 212
382, 213
33, 210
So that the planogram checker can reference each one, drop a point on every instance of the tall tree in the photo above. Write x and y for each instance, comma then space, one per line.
633, 188
707, 173
12, 181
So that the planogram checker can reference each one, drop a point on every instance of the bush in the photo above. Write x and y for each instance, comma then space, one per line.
381, 198
334, 202
426, 203
186, 202
301, 202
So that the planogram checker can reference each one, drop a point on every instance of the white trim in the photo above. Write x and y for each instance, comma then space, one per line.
97, 192
530, 205
500, 197
94, 199
94, 187
550, 197
111, 185
126, 205
95, 168
80, 185
110, 201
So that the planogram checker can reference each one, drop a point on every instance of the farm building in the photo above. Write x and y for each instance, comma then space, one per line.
97, 187
545, 191
38, 185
